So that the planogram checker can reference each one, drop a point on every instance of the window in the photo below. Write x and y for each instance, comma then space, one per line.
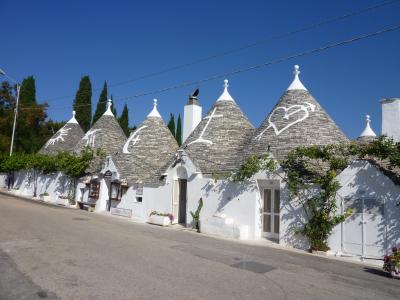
139, 199
115, 193
94, 189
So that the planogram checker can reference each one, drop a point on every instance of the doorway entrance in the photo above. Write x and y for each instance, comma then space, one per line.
179, 201
364, 232
271, 213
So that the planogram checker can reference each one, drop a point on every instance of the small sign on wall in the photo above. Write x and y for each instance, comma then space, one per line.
121, 212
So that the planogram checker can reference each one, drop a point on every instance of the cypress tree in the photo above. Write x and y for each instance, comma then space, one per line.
101, 104
171, 124
28, 137
178, 134
83, 103
123, 120
27, 95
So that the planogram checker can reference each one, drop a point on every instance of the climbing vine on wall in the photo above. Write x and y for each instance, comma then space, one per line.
310, 174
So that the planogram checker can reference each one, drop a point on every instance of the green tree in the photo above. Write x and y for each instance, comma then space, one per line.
101, 104
171, 124
7, 103
27, 95
31, 118
83, 103
123, 120
178, 135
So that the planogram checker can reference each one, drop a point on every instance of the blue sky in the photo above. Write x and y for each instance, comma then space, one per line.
60, 41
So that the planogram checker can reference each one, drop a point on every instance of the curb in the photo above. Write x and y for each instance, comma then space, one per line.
26, 198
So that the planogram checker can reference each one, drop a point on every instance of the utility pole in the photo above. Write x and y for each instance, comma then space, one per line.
15, 110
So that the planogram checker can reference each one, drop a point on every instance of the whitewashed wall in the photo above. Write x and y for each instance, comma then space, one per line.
57, 185
3, 180
363, 180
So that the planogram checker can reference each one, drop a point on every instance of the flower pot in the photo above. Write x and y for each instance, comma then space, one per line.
46, 198
159, 220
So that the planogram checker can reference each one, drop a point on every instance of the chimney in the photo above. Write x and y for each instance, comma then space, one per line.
391, 118
191, 115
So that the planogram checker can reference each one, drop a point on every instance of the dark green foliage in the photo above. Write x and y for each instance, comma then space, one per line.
72, 165
133, 128
30, 134
83, 103
311, 177
123, 120
7, 103
27, 96
101, 104
196, 216
178, 135
171, 124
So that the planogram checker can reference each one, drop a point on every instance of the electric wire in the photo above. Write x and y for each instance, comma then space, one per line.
248, 46
250, 68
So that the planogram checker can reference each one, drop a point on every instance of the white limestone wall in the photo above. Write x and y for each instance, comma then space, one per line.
3, 180
57, 185
363, 180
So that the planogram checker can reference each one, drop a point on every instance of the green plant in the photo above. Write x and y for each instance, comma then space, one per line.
391, 263
310, 174
196, 216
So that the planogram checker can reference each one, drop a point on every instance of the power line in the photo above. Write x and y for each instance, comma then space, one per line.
259, 66
248, 46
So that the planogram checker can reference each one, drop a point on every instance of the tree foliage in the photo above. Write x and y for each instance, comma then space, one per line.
178, 135
101, 104
123, 120
311, 172
171, 124
83, 103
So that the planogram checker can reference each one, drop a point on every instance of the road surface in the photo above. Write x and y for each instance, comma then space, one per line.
49, 252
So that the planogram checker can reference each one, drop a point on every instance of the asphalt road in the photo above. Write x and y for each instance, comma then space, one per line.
49, 252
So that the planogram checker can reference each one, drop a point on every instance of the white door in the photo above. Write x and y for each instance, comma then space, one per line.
364, 231
271, 210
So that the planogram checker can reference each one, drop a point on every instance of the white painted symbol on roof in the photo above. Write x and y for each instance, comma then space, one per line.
60, 137
135, 138
288, 112
200, 138
90, 137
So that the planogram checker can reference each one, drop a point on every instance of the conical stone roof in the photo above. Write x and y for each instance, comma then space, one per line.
146, 151
65, 139
105, 134
296, 120
215, 143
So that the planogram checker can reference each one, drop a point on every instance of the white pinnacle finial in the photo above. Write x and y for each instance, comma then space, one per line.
154, 112
368, 130
73, 120
225, 96
108, 111
296, 83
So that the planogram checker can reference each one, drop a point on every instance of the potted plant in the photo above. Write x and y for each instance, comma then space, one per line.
159, 218
196, 216
45, 197
392, 263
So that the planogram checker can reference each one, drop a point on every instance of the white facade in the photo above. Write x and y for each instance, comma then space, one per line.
374, 226
54, 188
391, 118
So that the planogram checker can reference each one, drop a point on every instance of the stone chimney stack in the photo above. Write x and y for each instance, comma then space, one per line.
191, 115
391, 118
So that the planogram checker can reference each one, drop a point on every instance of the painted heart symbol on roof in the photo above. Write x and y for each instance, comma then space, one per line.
291, 115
